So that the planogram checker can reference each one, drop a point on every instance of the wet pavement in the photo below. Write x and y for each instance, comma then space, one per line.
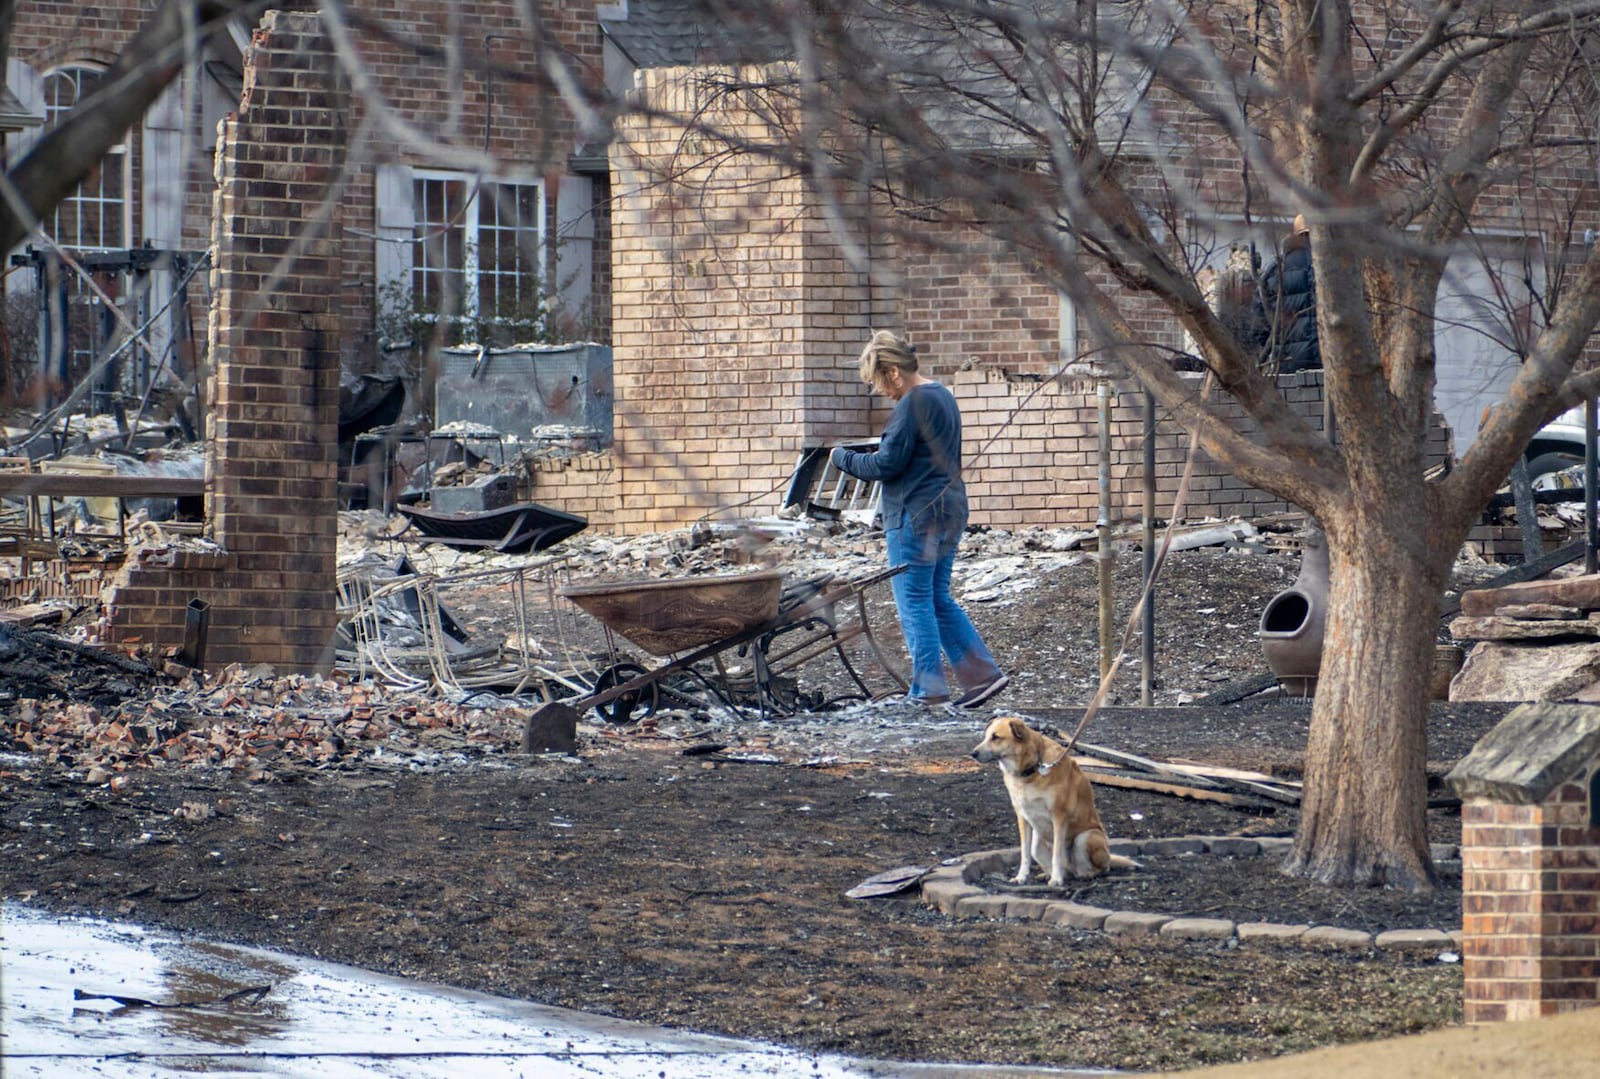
86, 997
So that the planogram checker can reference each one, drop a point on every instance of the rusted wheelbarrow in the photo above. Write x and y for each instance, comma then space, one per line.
695, 619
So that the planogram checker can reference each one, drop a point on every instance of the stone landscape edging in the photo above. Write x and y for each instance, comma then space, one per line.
954, 889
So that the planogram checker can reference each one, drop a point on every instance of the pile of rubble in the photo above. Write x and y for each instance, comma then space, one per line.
254, 722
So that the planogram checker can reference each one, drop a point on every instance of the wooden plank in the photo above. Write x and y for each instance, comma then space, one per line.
1217, 771
1178, 790
1144, 764
1237, 690
32, 614
67, 484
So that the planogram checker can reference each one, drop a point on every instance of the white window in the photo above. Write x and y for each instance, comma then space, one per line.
95, 216
476, 256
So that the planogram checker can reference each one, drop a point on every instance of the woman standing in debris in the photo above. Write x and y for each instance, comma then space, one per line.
918, 461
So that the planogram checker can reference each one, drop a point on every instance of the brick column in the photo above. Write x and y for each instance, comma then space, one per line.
1531, 907
272, 431
272, 428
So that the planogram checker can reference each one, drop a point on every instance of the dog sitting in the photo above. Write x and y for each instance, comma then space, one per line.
1053, 801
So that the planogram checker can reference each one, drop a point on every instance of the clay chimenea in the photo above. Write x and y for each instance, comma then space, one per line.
1293, 621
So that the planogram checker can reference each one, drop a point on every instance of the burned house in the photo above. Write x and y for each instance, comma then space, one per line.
359, 218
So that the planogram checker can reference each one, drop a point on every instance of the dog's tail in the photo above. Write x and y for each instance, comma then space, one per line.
1122, 861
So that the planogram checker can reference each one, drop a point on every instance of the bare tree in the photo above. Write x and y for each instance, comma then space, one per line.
1113, 144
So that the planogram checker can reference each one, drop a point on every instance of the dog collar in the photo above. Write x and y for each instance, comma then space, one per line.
1042, 768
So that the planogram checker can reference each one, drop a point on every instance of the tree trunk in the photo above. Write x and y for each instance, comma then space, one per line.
1363, 817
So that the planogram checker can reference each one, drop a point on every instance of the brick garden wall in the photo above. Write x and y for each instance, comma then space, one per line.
585, 484
272, 428
1531, 917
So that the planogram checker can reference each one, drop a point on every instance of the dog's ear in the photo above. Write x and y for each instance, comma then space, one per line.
1019, 730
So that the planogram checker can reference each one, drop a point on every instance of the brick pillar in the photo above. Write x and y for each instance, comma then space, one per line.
1531, 906
272, 431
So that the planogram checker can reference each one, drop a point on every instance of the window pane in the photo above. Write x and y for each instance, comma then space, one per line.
91, 217
508, 235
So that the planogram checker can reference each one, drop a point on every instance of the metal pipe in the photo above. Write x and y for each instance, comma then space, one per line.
1104, 556
1147, 655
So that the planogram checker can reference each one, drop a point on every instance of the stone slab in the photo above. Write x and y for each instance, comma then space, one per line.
945, 895
1328, 936
1028, 908
1500, 627
1534, 612
984, 862
1134, 923
1198, 929
1512, 671
1076, 915
981, 905
1277, 846
1582, 592
1269, 931
1529, 753
1413, 940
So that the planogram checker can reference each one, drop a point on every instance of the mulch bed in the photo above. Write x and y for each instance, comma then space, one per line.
1253, 889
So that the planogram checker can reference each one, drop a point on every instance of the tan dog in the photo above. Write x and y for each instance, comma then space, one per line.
1053, 800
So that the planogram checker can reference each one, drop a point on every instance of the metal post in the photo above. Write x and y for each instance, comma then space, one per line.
1591, 528
1105, 557
1147, 665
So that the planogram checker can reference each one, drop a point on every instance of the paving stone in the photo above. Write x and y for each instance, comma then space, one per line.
1233, 846
1134, 923
1329, 936
1076, 915
985, 862
1027, 908
1413, 939
981, 905
946, 894
1198, 929
1177, 845
1270, 931
1275, 845
1130, 848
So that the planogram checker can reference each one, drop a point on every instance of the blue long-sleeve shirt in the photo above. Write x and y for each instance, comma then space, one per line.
918, 461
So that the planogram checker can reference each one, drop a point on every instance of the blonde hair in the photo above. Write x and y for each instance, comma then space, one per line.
886, 350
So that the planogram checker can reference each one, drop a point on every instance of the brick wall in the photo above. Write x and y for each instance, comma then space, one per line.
274, 336
585, 484
735, 324
1531, 906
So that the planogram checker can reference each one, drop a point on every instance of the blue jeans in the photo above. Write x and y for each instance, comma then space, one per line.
933, 623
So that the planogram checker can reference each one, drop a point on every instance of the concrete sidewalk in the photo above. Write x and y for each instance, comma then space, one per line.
59, 1016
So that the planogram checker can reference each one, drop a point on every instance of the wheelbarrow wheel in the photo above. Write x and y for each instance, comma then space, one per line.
621, 709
